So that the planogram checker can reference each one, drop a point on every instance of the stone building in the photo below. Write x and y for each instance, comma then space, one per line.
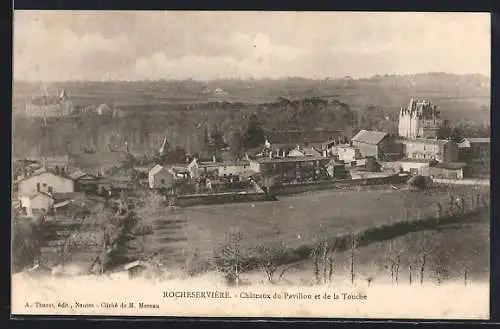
420, 119
48, 106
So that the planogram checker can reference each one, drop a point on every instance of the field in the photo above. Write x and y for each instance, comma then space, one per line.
296, 221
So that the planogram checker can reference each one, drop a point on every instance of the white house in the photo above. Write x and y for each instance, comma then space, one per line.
159, 177
47, 182
346, 153
36, 201
235, 168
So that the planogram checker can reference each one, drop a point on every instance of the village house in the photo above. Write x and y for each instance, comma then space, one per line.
34, 202
430, 149
234, 168
160, 177
45, 181
292, 169
376, 144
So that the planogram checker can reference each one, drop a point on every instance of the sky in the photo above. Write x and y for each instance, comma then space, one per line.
103, 45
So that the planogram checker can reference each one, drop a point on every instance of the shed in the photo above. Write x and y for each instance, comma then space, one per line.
136, 268
369, 142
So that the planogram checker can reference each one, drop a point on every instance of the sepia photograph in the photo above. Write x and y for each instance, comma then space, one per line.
251, 164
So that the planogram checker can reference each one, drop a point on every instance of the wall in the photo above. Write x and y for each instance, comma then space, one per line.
40, 201
446, 173
366, 150
422, 168
233, 169
59, 184
155, 181
346, 153
450, 152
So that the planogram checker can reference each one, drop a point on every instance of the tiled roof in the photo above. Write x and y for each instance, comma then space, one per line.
369, 136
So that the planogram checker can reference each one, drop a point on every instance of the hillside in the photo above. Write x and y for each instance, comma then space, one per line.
180, 109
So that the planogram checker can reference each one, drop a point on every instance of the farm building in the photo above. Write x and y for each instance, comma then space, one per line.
376, 144
442, 150
36, 201
45, 181
456, 170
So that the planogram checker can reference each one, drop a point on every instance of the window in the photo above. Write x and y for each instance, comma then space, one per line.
50, 189
44, 185
162, 181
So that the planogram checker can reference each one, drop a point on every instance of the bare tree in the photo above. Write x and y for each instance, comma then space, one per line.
354, 244
394, 251
230, 258
323, 256
425, 246
268, 257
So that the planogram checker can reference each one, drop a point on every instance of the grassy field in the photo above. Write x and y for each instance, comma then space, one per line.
296, 221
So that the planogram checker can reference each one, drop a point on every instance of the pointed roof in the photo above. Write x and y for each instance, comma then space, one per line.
164, 144
63, 94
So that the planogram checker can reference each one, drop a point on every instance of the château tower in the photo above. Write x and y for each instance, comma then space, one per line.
420, 119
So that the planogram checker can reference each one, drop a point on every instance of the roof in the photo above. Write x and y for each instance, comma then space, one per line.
464, 144
68, 196
137, 263
40, 172
156, 169
294, 159
77, 174
369, 136
479, 140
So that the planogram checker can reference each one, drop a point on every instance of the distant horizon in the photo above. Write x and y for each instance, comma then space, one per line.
215, 45
258, 79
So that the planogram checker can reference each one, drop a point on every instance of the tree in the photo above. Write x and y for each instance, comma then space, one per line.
268, 257
354, 244
236, 145
255, 134
425, 246
229, 258
26, 244
323, 256
217, 140
394, 251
